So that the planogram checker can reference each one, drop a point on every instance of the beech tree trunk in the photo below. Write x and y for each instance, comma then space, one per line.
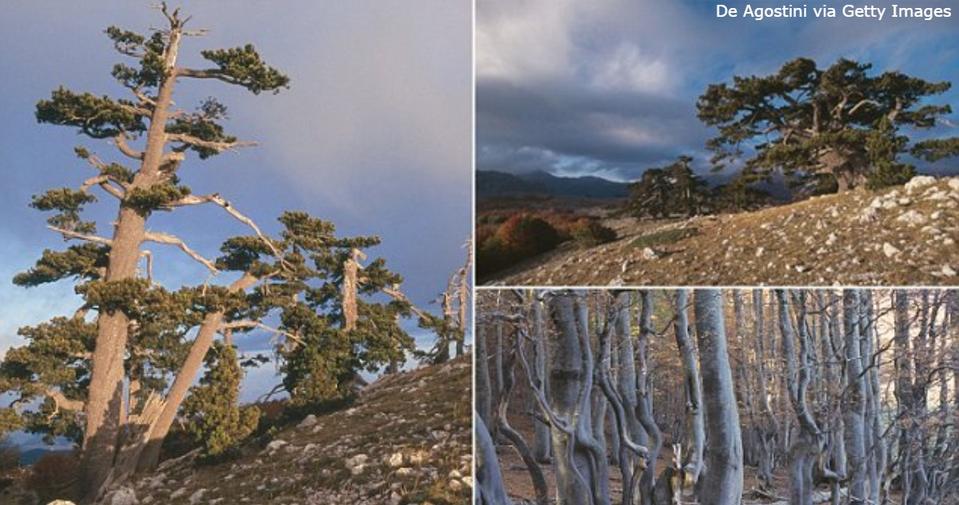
693, 387
644, 408
566, 386
542, 448
723, 479
855, 406
489, 480
481, 369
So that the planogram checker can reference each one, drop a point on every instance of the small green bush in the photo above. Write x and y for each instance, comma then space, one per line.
663, 237
590, 232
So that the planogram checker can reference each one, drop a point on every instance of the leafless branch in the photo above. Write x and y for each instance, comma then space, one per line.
249, 323
165, 238
190, 140
68, 234
120, 140
104, 182
231, 210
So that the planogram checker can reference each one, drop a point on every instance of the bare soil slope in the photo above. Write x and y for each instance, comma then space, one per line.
899, 236
406, 440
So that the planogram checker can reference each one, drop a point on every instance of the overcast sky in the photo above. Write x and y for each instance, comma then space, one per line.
373, 135
608, 87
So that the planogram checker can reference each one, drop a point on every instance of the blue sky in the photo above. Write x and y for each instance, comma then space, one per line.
608, 87
373, 135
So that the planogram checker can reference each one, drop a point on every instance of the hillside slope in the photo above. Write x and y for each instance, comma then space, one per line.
407, 439
903, 235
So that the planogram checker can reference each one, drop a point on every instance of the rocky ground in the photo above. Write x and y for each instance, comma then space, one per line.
406, 440
898, 236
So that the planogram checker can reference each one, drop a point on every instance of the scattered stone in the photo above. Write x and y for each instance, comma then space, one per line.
276, 445
954, 183
197, 496
307, 421
948, 271
759, 251
918, 182
912, 218
649, 253
358, 460
890, 250
124, 496
395, 459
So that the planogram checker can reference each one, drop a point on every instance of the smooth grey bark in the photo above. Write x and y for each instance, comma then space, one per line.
567, 381
806, 446
542, 449
644, 408
484, 403
855, 396
586, 437
637, 451
873, 432
768, 428
626, 383
693, 386
506, 430
723, 478
489, 480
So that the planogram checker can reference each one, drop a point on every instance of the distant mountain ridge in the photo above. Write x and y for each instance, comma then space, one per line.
497, 184
493, 184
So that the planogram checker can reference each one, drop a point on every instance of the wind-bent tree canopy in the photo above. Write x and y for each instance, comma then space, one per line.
842, 123
114, 375
669, 190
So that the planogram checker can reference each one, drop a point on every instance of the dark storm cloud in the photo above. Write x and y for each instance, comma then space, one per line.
609, 87
525, 127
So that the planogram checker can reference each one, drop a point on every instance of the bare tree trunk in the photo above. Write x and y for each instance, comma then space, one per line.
542, 449
566, 387
483, 390
489, 480
723, 478
626, 383
644, 409
805, 448
514, 437
105, 397
855, 407
693, 386
768, 427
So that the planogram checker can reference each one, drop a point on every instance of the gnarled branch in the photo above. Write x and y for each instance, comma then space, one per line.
120, 141
104, 182
68, 234
219, 147
231, 210
165, 238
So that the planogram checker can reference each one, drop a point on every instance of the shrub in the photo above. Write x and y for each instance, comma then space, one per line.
590, 232
663, 237
526, 236
491, 256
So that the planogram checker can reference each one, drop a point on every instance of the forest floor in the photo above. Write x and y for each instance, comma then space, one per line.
900, 235
406, 439
521, 491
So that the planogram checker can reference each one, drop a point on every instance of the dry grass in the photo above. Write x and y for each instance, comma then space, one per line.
820, 241
425, 412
